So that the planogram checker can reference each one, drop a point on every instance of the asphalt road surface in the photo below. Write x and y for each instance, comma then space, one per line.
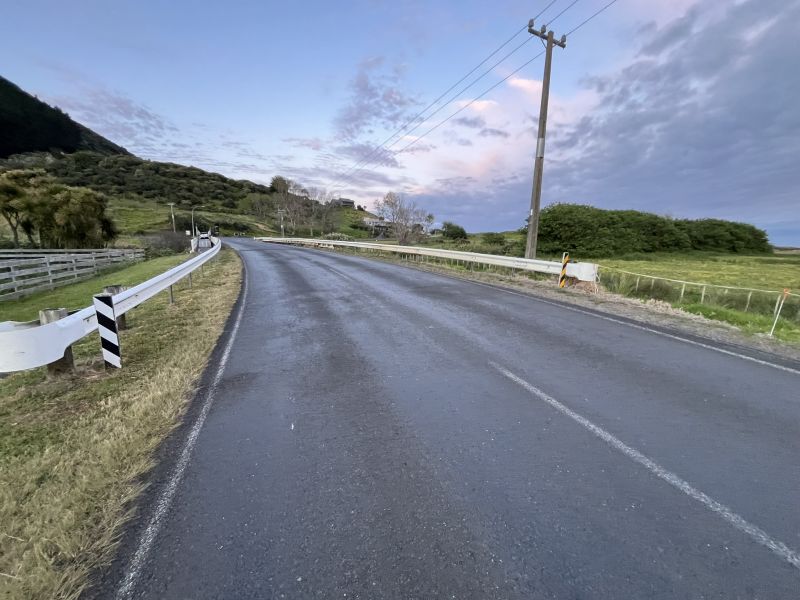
381, 432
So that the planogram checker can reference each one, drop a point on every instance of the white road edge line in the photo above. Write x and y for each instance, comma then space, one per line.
147, 538
633, 325
755, 533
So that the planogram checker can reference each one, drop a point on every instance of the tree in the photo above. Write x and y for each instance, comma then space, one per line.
451, 231
402, 216
10, 194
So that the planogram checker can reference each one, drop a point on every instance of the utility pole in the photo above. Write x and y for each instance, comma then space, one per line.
538, 167
172, 212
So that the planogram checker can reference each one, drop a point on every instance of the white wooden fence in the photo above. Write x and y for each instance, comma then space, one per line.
23, 272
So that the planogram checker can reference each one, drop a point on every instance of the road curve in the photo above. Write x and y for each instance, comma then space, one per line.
382, 432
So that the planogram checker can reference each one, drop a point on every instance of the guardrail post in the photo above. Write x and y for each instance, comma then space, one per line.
190, 280
562, 278
113, 290
107, 328
171, 296
65, 364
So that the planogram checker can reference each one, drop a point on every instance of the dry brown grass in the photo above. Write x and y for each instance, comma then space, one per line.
72, 451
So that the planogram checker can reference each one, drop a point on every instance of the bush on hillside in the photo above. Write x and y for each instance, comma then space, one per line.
590, 231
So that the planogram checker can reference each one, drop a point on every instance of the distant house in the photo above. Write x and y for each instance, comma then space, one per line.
377, 225
344, 203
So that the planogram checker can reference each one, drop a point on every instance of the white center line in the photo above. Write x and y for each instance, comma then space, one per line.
757, 534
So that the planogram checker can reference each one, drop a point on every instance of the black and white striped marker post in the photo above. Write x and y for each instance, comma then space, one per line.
562, 279
107, 327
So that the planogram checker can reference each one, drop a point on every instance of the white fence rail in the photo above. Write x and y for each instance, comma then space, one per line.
27, 345
580, 271
23, 272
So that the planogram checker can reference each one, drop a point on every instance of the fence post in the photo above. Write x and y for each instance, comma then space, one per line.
13, 278
49, 271
683, 291
65, 364
637, 283
113, 290
703, 295
746, 306
782, 300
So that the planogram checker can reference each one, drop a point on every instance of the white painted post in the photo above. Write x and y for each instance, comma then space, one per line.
746, 306
778, 311
683, 291
703, 295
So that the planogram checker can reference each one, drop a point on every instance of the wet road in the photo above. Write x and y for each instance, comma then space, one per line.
380, 432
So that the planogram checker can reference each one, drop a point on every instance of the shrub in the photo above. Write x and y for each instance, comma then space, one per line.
494, 239
451, 231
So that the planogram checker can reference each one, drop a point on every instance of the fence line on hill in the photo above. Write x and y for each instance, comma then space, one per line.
24, 272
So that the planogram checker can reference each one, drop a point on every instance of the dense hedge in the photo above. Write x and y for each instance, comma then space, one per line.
590, 231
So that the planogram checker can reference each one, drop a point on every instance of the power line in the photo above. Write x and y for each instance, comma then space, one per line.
365, 160
470, 103
349, 174
506, 78
574, 29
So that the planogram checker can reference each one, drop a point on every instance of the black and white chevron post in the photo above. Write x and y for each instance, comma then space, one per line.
107, 326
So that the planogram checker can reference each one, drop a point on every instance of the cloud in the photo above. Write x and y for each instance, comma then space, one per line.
490, 132
376, 100
117, 117
707, 127
314, 143
471, 122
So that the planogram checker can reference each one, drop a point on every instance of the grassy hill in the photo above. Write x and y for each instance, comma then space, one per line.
29, 125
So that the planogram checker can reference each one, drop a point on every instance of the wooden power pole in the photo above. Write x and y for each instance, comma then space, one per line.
538, 167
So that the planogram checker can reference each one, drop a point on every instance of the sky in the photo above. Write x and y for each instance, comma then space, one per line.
686, 108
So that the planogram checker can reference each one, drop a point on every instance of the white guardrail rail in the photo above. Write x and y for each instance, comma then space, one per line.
29, 345
580, 271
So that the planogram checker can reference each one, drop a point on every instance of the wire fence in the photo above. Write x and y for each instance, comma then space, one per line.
767, 303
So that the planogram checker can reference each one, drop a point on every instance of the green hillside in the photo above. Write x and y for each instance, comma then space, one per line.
29, 125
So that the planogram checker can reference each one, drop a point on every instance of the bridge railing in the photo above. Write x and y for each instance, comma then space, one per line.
578, 270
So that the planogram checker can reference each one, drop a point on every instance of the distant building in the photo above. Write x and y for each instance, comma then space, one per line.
344, 203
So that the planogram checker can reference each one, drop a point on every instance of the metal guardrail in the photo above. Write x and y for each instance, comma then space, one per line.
27, 345
580, 271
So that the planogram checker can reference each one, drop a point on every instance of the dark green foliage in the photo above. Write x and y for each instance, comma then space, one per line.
494, 239
590, 231
126, 175
29, 125
451, 231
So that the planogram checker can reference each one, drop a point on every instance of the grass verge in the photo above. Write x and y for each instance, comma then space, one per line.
73, 450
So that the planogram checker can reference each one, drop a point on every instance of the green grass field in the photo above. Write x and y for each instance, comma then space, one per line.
79, 295
773, 272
